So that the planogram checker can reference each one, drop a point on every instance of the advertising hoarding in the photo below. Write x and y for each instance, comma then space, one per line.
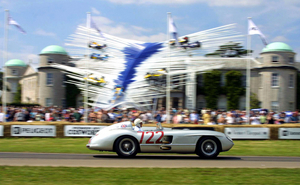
247, 133
33, 130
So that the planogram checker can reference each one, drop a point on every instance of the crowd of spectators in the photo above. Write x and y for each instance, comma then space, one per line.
181, 116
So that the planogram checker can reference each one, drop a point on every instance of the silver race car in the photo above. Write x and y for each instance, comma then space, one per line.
122, 139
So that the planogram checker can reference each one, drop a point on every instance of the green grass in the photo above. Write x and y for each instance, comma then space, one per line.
265, 148
130, 176
77, 145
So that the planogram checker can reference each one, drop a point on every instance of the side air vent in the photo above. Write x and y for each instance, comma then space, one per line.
167, 139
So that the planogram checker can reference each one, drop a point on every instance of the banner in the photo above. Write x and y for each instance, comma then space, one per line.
33, 130
81, 131
1, 130
289, 133
90, 130
248, 133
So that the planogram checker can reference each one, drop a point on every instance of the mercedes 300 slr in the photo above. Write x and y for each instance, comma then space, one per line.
122, 139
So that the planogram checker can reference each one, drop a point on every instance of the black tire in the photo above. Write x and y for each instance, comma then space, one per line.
126, 146
208, 148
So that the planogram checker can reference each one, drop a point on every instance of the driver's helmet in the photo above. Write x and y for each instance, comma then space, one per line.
138, 122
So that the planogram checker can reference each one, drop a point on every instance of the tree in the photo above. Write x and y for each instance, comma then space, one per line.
212, 88
1, 82
254, 102
230, 49
233, 88
18, 95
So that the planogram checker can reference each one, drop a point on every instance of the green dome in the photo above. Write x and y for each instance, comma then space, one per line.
15, 62
53, 49
277, 46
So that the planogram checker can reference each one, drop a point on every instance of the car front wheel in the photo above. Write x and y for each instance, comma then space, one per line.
208, 148
126, 147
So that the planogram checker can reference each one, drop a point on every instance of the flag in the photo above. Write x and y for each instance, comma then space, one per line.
253, 30
91, 24
173, 29
13, 22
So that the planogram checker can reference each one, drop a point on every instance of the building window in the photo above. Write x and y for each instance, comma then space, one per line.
50, 60
49, 102
244, 81
291, 81
49, 79
242, 103
222, 102
274, 105
291, 60
14, 72
223, 79
275, 80
14, 87
274, 58
200, 80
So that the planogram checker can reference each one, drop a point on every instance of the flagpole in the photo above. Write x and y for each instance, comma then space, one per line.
88, 22
248, 74
168, 73
3, 65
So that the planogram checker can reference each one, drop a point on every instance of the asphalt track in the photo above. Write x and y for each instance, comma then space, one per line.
145, 161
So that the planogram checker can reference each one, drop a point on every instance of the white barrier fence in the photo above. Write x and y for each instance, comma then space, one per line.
289, 133
248, 133
1, 130
81, 131
90, 130
33, 130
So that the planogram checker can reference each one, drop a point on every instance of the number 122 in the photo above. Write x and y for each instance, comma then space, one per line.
152, 135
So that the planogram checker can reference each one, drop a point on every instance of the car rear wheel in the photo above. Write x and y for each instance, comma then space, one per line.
126, 147
208, 147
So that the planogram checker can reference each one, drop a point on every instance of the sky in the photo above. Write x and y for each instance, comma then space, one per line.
50, 22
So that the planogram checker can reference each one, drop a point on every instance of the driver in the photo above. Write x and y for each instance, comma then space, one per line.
138, 124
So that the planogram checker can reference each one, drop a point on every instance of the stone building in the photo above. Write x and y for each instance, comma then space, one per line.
14, 71
273, 80
43, 85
